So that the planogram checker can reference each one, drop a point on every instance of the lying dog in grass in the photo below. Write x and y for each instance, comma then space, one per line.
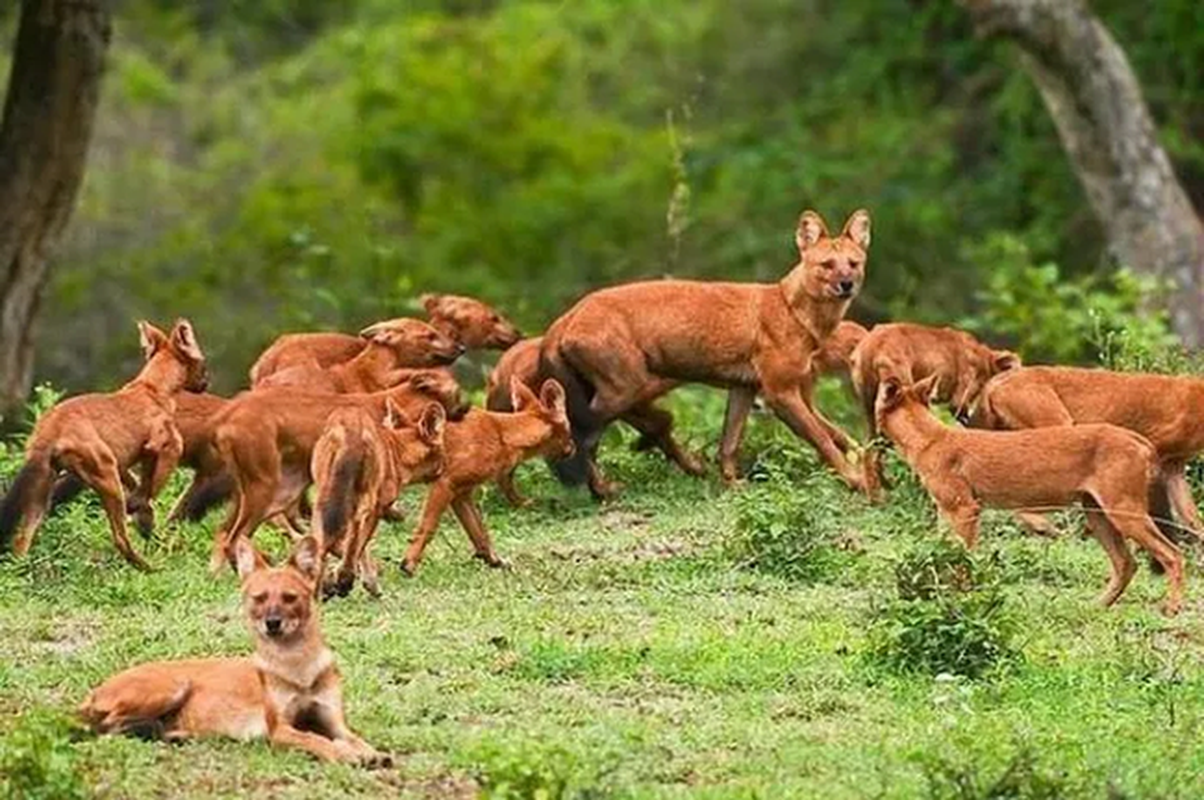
1109, 469
290, 691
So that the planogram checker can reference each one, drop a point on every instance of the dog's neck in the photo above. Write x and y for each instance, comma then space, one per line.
300, 663
371, 369
163, 376
912, 428
817, 316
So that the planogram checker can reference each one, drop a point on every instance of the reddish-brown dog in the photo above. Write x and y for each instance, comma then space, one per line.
359, 467
1109, 469
471, 323
99, 437
265, 440
482, 447
619, 349
289, 692
960, 364
1162, 408
392, 350
522, 361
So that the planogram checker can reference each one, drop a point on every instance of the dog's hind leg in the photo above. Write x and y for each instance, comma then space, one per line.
739, 404
98, 468
1133, 521
469, 514
1123, 565
656, 425
1180, 498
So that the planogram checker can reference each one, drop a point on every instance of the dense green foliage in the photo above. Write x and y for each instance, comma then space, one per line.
262, 166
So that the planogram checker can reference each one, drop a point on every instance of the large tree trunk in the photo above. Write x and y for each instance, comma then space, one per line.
54, 87
1105, 126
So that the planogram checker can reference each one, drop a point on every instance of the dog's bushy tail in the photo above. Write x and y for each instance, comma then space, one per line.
574, 470
337, 499
66, 489
204, 495
32, 486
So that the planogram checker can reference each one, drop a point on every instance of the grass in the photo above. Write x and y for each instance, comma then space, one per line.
629, 653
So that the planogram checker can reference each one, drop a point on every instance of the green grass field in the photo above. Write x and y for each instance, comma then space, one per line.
634, 650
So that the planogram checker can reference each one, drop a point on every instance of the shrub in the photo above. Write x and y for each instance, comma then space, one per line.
789, 530
37, 761
546, 773
948, 615
1022, 779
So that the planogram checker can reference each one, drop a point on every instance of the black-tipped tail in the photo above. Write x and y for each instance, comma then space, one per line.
338, 500
202, 498
574, 470
32, 486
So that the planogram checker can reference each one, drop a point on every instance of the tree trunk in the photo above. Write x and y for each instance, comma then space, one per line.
54, 87
1096, 103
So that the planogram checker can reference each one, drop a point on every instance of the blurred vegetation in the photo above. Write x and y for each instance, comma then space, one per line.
262, 165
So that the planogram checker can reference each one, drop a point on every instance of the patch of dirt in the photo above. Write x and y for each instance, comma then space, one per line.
642, 551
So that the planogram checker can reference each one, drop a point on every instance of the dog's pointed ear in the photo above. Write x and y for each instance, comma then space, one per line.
431, 424
890, 393
151, 338
387, 332
923, 390
431, 302
184, 339
811, 228
857, 228
395, 418
521, 396
424, 382
551, 394
1004, 360
246, 558
306, 558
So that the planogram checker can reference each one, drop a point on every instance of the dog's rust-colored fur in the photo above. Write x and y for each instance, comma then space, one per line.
471, 323
960, 364
1162, 408
619, 349
482, 447
359, 467
290, 692
265, 440
390, 353
100, 437
1109, 469
522, 361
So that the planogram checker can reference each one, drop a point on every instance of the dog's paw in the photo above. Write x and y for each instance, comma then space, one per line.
375, 760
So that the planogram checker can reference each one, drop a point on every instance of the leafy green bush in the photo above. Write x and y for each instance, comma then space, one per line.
948, 615
1022, 779
1052, 316
790, 528
37, 761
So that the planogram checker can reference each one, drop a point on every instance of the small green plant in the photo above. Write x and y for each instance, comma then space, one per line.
1022, 779
948, 615
546, 773
37, 761
789, 530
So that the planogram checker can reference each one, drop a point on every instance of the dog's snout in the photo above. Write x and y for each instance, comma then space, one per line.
273, 625
846, 288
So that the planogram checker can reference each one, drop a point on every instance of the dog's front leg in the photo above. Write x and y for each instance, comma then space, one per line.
283, 735
470, 518
739, 405
437, 501
963, 518
790, 407
336, 724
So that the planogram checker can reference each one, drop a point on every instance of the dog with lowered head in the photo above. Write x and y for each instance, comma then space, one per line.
1109, 469
290, 691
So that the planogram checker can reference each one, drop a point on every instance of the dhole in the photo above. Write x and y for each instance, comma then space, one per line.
960, 364
470, 322
618, 349
391, 351
1162, 408
359, 466
522, 361
482, 447
1110, 469
265, 440
290, 691
98, 437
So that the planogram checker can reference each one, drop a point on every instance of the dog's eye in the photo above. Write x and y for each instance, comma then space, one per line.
830, 264
259, 597
289, 598
854, 264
